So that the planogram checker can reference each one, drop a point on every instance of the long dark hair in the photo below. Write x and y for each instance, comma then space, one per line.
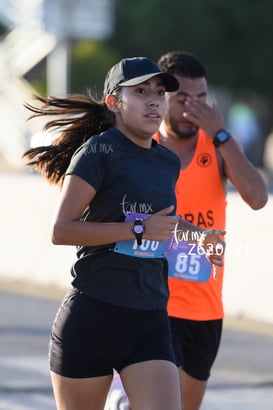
78, 118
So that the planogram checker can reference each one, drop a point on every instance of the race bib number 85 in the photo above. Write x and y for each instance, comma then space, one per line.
188, 262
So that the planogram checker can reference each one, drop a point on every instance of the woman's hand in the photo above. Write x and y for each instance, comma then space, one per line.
160, 225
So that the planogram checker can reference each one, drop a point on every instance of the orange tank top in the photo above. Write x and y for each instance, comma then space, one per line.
201, 200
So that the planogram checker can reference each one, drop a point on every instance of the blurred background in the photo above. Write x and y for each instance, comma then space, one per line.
55, 47
52, 47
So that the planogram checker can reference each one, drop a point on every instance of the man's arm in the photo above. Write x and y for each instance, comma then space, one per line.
243, 175
235, 165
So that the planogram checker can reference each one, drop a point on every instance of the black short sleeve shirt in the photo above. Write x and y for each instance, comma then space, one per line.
126, 177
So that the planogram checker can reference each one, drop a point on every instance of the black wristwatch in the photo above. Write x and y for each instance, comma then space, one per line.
138, 229
221, 137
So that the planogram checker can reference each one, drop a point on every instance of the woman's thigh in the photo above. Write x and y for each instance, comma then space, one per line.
152, 385
84, 394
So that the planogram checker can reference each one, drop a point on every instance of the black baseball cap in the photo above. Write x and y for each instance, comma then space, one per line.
136, 70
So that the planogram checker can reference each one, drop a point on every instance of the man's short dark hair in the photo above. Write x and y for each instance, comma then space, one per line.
183, 64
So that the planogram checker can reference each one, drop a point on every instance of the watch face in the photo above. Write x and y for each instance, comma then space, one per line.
138, 229
222, 136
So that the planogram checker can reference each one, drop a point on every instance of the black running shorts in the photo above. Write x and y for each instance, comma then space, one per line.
196, 344
90, 338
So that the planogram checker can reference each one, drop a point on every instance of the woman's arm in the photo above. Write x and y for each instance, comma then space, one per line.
68, 229
236, 167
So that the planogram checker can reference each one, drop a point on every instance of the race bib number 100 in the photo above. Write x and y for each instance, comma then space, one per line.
148, 249
188, 262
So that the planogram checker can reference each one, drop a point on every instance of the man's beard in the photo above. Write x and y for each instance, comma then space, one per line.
185, 133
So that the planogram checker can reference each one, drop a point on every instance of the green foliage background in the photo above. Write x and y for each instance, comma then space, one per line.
233, 38
89, 64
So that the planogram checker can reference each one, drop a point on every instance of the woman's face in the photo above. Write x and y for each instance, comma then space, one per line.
140, 110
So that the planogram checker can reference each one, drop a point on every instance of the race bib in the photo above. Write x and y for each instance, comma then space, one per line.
148, 249
188, 262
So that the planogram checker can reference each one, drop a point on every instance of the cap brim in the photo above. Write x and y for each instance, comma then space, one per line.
169, 80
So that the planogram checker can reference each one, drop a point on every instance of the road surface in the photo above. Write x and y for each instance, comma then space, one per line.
242, 376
